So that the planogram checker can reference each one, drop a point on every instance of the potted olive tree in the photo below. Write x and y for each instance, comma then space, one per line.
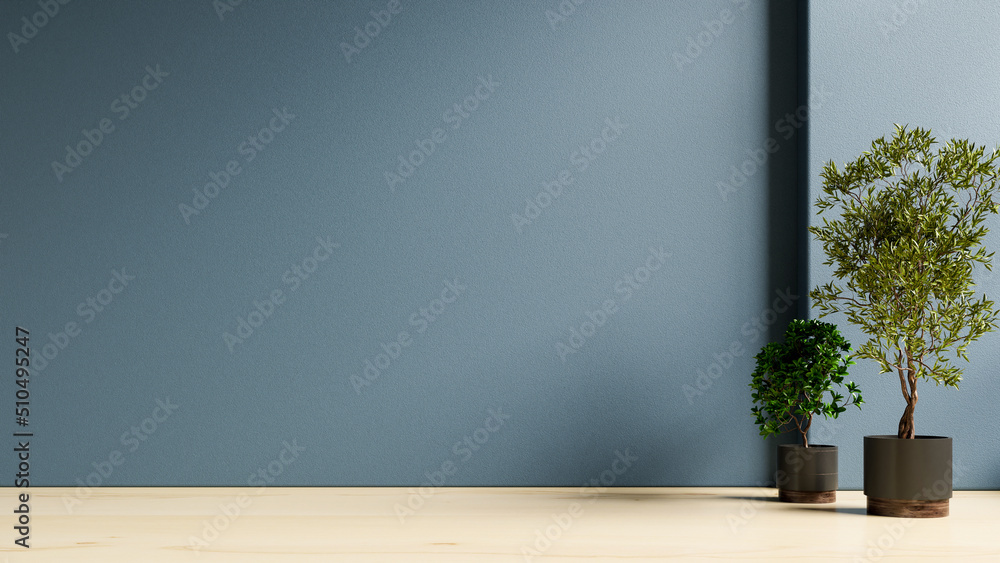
904, 230
795, 380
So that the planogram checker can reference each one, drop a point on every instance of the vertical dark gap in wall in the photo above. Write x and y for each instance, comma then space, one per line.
784, 132
802, 168
785, 129
802, 171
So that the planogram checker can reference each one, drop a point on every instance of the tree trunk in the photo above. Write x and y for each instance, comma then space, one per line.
803, 430
906, 429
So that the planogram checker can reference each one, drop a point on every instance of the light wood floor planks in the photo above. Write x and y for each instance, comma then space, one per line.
494, 525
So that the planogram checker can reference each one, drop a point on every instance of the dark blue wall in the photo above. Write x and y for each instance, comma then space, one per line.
614, 312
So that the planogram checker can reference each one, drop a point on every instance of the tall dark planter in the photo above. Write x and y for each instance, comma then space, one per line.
908, 477
807, 475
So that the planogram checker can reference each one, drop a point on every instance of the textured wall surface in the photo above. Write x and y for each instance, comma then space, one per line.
928, 64
359, 243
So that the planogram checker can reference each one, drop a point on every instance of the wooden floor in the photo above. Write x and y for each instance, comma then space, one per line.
148, 525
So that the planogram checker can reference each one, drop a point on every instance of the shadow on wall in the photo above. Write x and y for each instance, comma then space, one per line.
787, 129
787, 203
594, 452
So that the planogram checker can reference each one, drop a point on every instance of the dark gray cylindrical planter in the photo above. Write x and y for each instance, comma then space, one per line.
807, 475
908, 477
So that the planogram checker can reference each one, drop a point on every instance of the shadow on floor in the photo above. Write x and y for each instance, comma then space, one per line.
845, 510
594, 495
753, 498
